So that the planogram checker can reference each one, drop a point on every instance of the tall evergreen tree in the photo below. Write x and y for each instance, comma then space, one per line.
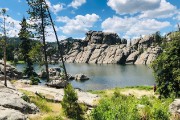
3, 12
38, 15
25, 48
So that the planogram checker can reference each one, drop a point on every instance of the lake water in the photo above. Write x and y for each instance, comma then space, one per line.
107, 75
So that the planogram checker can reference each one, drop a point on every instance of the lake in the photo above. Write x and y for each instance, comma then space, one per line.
107, 76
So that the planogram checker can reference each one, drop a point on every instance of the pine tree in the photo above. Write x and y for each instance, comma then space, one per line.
70, 105
25, 48
39, 16
3, 12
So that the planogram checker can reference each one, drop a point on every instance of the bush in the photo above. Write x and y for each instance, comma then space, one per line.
120, 107
70, 105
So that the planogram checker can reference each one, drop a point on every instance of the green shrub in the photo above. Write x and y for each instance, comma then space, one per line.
120, 107
42, 104
34, 80
26, 98
70, 105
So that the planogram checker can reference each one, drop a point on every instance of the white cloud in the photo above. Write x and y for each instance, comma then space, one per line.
77, 3
133, 6
148, 26
63, 19
79, 24
117, 24
177, 17
12, 26
132, 26
165, 10
55, 8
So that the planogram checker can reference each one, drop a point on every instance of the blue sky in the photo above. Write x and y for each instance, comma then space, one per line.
128, 18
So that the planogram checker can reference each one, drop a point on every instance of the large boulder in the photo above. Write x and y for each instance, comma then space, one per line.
114, 55
54, 71
11, 71
99, 37
81, 77
174, 107
12, 99
149, 55
57, 83
95, 55
145, 42
132, 57
142, 58
11, 114
12, 105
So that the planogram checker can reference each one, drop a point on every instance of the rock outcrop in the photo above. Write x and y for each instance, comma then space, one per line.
57, 83
81, 77
11, 71
175, 107
108, 48
12, 106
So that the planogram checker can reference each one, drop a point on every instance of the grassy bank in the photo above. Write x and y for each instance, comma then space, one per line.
48, 109
18, 62
130, 103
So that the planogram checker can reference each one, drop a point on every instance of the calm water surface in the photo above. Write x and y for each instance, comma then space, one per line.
107, 75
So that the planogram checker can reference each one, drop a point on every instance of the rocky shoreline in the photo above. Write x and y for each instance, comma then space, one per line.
108, 48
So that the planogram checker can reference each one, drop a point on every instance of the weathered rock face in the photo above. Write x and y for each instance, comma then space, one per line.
11, 71
149, 55
175, 106
132, 57
12, 106
107, 48
10, 114
99, 37
57, 83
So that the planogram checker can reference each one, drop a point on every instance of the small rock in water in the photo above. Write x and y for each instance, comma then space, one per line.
81, 77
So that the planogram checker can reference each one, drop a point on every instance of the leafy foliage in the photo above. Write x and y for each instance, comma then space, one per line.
70, 105
34, 80
120, 107
167, 68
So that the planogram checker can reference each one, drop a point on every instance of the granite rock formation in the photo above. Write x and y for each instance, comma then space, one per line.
12, 106
11, 71
108, 48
